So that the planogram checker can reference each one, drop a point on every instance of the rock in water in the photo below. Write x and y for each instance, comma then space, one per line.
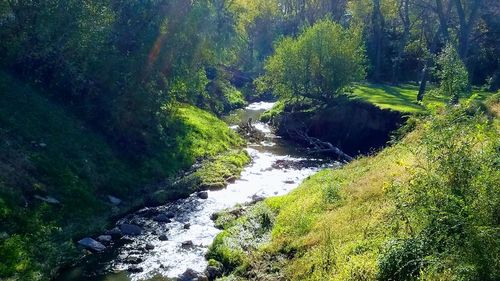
162, 218
115, 232
203, 195
104, 238
135, 269
150, 247
213, 272
130, 229
187, 244
191, 275
91, 244
113, 200
133, 260
163, 237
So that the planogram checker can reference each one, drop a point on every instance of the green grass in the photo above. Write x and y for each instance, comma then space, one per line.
340, 224
403, 98
45, 150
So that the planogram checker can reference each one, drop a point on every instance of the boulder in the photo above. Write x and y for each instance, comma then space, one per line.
135, 269
104, 238
130, 229
187, 226
231, 179
213, 272
163, 237
91, 244
133, 260
115, 232
170, 215
149, 246
191, 275
162, 218
187, 244
114, 200
203, 195
148, 212
257, 198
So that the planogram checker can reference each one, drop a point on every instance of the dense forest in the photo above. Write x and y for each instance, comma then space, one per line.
110, 106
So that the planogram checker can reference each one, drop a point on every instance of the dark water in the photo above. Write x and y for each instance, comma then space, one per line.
277, 167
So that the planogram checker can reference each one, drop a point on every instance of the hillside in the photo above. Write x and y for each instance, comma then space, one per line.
425, 208
56, 174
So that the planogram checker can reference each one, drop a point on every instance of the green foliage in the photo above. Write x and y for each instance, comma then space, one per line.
402, 260
453, 196
240, 236
319, 64
215, 172
47, 151
454, 78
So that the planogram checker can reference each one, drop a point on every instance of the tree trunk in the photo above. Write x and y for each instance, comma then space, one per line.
466, 25
378, 29
423, 82
405, 19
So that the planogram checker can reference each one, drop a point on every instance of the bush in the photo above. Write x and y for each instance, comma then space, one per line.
402, 259
453, 197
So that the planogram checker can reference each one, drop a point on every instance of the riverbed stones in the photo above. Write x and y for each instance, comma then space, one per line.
135, 269
187, 244
92, 244
104, 238
203, 195
130, 229
231, 179
114, 200
257, 198
192, 275
115, 233
213, 272
133, 260
148, 212
162, 218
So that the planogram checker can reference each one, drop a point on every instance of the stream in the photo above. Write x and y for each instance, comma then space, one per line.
169, 249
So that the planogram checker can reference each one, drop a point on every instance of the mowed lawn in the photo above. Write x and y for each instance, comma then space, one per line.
403, 98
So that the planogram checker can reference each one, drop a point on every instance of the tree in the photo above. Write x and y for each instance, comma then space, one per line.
319, 64
452, 73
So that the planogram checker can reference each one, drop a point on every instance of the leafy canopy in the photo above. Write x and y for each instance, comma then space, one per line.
319, 64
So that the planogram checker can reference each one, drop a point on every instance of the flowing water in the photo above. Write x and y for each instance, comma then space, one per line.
277, 167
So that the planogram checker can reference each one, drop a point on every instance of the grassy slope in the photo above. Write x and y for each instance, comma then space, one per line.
401, 98
337, 223
46, 151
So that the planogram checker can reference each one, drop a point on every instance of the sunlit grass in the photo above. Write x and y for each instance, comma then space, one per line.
403, 98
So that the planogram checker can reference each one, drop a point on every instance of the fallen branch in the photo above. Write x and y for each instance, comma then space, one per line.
316, 145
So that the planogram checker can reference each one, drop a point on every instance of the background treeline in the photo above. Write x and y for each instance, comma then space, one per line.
118, 63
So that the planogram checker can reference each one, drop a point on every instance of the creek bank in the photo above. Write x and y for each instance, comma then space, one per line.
354, 126
207, 174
